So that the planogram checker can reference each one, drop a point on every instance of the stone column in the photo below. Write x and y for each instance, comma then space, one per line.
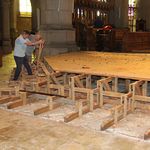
119, 16
56, 26
14, 9
6, 42
34, 14
0, 25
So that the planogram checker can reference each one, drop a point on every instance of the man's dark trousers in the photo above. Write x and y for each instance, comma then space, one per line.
19, 62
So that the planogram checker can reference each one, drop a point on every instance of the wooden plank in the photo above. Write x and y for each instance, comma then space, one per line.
82, 90
42, 93
106, 80
147, 135
5, 100
41, 110
54, 79
41, 83
44, 69
78, 82
75, 115
46, 109
107, 87
138, 90
109, 122
15, 104
142, 98
112, 94
8, 99
98, 66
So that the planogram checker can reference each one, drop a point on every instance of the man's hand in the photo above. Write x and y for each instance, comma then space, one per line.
29, 43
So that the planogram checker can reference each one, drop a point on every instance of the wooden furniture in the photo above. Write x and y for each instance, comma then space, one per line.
84, 15
136, 42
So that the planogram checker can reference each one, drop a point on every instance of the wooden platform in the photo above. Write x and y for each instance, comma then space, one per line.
122, 65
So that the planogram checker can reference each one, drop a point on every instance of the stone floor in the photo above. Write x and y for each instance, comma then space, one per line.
22, 132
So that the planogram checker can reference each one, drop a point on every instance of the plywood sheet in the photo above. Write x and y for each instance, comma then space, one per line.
123, 65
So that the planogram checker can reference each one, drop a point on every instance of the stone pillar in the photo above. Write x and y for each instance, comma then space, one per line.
6, 42
143, 11
14, 8
34, 14
119, 16
56, 26
0, 25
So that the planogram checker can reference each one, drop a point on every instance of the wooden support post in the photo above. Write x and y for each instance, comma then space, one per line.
65, 79
24, 97
88, 81
50, 102
17, 90
91, 100
127, 83
36, 87
144, 88
72, 82
116, 116
80, 107
133, 98
125, 106
101, 94
115, 84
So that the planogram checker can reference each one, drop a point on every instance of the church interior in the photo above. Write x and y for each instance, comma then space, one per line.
90, 82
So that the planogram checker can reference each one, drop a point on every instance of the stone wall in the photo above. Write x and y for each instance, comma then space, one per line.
23, 23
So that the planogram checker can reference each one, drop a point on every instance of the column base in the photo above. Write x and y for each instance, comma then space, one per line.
59, 41
59, 48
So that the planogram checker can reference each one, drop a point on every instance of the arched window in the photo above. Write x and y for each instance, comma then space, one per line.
25, 8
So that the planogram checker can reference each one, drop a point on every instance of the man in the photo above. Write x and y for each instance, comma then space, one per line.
19, 53
30, 49
37, 40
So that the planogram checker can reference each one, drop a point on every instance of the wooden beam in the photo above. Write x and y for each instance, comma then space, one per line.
147, 135
78, 82
15, 104
46, 109
75, 115
109, 122
42, 93
8, 99
41, 110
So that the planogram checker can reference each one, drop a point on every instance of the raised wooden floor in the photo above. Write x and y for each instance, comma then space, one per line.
122, 65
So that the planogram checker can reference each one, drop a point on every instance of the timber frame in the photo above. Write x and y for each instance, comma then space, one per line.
88, 91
